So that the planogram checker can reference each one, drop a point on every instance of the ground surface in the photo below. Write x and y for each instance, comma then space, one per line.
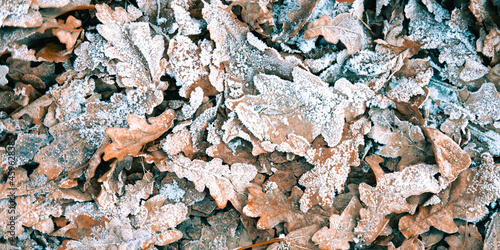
295, 124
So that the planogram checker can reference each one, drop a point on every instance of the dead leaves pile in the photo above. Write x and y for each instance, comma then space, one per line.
189, 124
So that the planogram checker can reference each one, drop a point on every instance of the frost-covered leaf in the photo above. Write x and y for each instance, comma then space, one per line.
450, 158
484, 103
389, 196
401, 138
492, 237
3, 72
225, 184
465, 199
130, 141
186, 64
297, 239
138, 53
296, 16
341, 230
344, 27
287, 116
233, 52
331, 166
271, 206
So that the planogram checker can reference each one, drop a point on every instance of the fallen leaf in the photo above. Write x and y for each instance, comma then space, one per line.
465, 198
341, 230
285, 117
389, 196
344, 27
225, 184
450, 158
468, 238
130, 141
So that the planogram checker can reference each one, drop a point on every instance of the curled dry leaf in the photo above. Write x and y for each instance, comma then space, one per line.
341, 230
344, 27
389, 196
465, 199
130, 141
224, 184
287, 116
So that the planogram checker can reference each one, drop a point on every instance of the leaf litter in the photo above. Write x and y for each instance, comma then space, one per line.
293, 124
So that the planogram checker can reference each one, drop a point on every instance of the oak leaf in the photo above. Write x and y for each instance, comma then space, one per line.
344, 27
389, 196
484, 103
138, 54
450, 158
225, 184
401, 138
272, 207
296, 17
468, 238
465, 199
331, 166
239, 59
130, 141
298, 239
341, 230
287, 116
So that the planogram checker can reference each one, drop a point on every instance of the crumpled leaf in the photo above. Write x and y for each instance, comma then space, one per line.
389, 196
130, 141
287, 116
465, 199
332, 166
344, 27
225, 184
341, 230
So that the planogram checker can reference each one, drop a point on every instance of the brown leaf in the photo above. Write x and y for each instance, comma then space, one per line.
224, 183
465, 198
297, 240
450, 158
130, 141
332, 165
390, 195
234, 50
256, 15
341, 230
298, 18
484, 103
272, 207
492, 237
402, 138
283, 116
344, 27
468, 238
